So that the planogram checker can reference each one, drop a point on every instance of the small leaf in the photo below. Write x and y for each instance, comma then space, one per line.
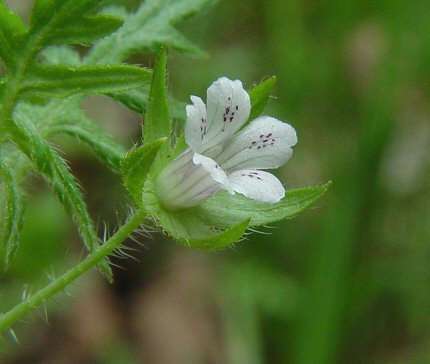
259, 96
157, 120
224, 207
136, 166
12, 220
11, 28
61, 81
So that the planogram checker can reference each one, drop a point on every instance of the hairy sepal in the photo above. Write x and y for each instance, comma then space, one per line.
189, 227
224, 207
136, 165
157, 120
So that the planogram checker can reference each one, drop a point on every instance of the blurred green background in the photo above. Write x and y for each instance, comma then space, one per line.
346, 282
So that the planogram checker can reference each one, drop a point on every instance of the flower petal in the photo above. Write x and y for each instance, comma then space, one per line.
264, 144
213, 168
183, 183
196, 125
228, 108
257, 185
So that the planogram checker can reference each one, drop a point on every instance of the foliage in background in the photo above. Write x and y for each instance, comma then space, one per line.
42, 89
351, 289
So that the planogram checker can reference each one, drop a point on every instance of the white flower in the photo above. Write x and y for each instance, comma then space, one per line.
221, 155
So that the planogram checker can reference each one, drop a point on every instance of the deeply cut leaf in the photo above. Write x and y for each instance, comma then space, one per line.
151, 26
58, 117
12, 217
136, 166
61, 81
48, 163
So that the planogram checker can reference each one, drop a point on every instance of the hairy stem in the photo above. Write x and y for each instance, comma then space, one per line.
59, 284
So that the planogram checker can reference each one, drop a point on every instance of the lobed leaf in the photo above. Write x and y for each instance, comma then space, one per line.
62, 81
151, 26
259, 96
11, 29
157, 120
136, 165
54, 169
12, 220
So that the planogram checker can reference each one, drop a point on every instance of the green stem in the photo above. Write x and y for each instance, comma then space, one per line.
59, 284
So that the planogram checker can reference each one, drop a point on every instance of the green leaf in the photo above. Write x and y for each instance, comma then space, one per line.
61, 81
136, 165
60, 12
67, 118
103, 145
259, 96
55, 170
11, 29
67, 22
13, 216
148, 29
224, 207
157, 120
84, 31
